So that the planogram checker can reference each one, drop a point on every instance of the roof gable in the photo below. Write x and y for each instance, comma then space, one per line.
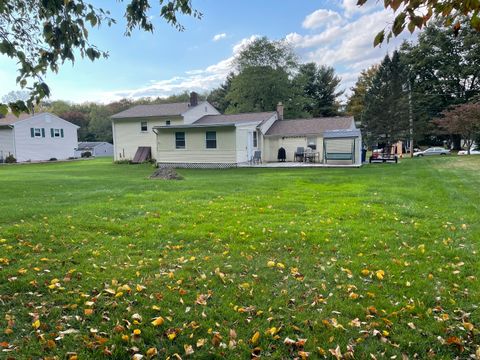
11, 119
140, 111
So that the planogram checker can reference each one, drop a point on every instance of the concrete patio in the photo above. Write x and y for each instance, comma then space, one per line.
297, 165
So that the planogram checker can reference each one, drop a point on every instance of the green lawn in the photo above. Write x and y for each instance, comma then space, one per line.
380, 260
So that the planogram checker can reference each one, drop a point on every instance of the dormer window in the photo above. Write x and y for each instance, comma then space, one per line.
167, 122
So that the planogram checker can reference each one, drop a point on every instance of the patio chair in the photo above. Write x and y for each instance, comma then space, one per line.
257, 157
300, 153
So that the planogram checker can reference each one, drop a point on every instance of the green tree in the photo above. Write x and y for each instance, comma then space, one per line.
218, 96
257, 88
462, 120
264, 78
356, 101
265, 52
41, 35
386, 113
318, 86
437, 79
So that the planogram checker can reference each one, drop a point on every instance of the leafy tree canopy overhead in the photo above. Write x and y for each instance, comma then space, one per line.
415, 14
42, 35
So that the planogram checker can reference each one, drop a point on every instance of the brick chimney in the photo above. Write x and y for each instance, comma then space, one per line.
280, 111
193, 99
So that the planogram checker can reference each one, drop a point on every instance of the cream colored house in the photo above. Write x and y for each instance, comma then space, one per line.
133, 128
216, 140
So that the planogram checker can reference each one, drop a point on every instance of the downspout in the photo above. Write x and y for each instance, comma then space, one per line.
14, 143
114, 141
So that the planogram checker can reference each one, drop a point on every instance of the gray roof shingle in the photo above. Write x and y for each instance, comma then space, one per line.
310, 126
173, 109
235, 118
11, 119
90, 144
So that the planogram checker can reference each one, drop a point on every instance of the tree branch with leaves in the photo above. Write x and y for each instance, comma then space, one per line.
42, 35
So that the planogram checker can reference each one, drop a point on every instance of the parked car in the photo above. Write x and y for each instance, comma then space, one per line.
432, 151
472, 152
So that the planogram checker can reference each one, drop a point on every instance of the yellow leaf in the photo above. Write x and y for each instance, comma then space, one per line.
255, 338
125, 337
36, 324
353, 296
158, 321
380, 274
280, 266
172, 335
137, 332
271, 263
88, 312
188, 349
140, 288
152, 352
365, 272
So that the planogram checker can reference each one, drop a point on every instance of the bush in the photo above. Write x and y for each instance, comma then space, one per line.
52, 159
10, 159
86, 154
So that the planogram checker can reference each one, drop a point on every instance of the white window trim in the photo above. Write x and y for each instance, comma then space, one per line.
39, 132
206, 141
184, 140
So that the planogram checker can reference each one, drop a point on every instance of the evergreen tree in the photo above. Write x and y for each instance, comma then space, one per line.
318, 86
386, 114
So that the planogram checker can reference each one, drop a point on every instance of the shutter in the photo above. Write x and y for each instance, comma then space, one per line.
51, 132
61, 132
32, 132
43, 132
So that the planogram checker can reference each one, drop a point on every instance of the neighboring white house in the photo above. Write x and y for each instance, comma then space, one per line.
217, 140
37, 137
133, 128
97, 149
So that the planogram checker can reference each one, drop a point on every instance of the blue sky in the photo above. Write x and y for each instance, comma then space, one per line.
331, 32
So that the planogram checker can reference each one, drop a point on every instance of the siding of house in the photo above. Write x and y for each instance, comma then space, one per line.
7, 145
104, 149
127, 135
290, 144
195, 146
44, 148
195, 113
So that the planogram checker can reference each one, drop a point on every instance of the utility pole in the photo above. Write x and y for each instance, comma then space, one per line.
410, 116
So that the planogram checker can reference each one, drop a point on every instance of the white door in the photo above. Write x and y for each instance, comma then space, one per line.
249, 146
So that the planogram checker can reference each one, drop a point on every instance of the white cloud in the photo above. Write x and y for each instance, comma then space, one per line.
219, 37
348, 45
321, 18
197, 79
351, 8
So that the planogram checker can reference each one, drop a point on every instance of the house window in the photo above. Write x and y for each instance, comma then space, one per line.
180, 140
37, 132
55, 133
312, 142
211, 139
143, 126
255, 139
167, 122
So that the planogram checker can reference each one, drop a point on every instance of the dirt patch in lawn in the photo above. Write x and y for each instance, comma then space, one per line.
166, 174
